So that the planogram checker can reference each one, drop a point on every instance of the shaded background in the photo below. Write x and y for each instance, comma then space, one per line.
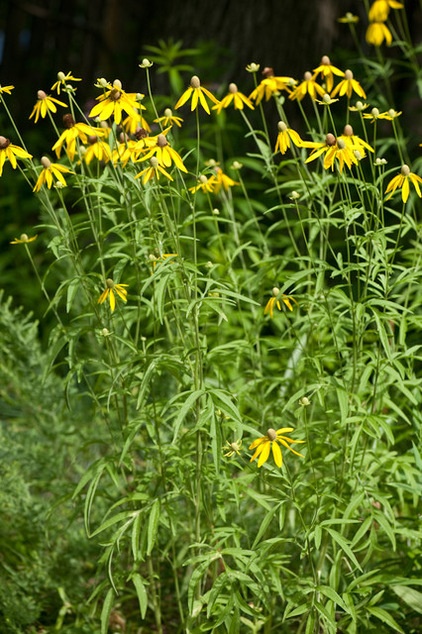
106, 38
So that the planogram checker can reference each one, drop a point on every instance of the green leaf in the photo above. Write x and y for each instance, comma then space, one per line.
343, 545
106, 611
385, 617
141, 592
72, 288
153, 520
124, 515
385, 524
411, 597
187, 405
264, 526
331, 594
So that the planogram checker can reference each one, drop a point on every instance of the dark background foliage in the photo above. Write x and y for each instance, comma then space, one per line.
106, 38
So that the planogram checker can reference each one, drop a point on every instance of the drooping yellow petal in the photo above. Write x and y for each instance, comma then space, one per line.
264, 454
277, 455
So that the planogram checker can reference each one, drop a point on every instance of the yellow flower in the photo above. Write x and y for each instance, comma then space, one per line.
232, 448
110, 290
401, 181
135, 122
285, 137
222, 180
272, 442
205, 184
349, 18
197, 93
24, 239
62, 79
307, 87
11, 152
153, 171
275, 301
375, 114
238, 99
359, 107
377, 32
49, 172
334, 149
270, 86
327, 72
125, 151
44, 105
162, 258
326, 100
6, 89
354, 142
98, 149
347, 86
164, 153
74, 131
380, 9
169, 119
343, 153
113, 102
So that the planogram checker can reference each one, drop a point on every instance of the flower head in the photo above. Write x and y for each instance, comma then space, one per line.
62, 80
113, 102
381, 8
222, 180
50, 172
353, 141
134, 122
327, 72
24, 239
97, 148
359, 107
6, 89
348, 18
307, 87
253, 67
235, 98
286, 136
165, 154
377, 32
11, 152
402, 181
155, 170
74, 131
205, 184
348, 85
333, 150
232, 448
197, 94
375, 114
44, 105
110, 291
271, 85
276, 300
272, 442
169, 119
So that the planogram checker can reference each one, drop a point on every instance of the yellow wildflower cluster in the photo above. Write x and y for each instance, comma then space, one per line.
377, 31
